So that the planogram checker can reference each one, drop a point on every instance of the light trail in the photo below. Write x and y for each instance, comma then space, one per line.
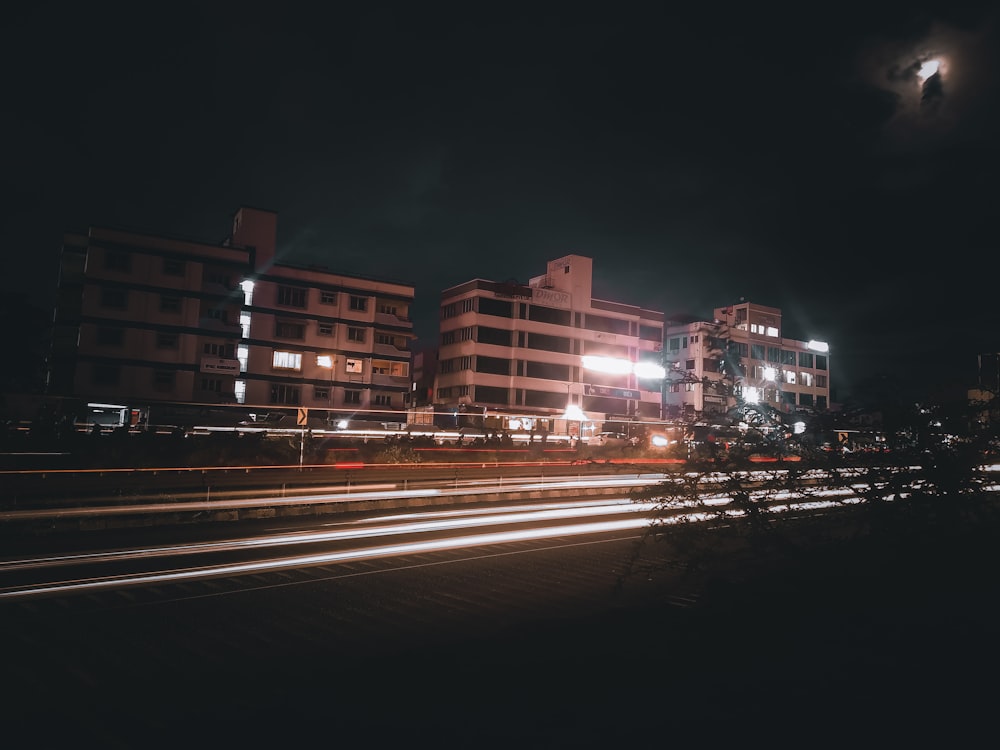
389, 550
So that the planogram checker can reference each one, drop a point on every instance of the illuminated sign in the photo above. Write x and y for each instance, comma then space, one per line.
608, 392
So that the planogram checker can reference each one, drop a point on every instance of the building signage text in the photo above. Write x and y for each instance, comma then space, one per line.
220, 366
552, 297
602, 390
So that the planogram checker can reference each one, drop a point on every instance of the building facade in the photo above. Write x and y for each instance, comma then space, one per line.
144, 320
525, 351
741, 352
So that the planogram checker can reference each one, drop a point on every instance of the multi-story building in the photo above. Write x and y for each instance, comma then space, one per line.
144, 319
530, 350
741, 352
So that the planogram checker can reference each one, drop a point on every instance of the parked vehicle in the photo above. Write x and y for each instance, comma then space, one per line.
611, 438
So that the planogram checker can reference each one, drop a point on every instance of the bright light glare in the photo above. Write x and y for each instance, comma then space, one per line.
575, 413
818, 346
929, 68
659, 441
799, 427
607, 364
770, 373
623, 366
649, 370
751, 395
342, 424
324, 360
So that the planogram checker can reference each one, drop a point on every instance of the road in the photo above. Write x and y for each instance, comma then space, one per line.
455, 628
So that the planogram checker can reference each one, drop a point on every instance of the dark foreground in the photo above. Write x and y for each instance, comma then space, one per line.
871, 644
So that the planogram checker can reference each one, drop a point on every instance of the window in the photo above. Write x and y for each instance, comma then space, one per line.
173, 267
224, 350
163, 380
774, 354
219, 314
386, 309
286, 360
542, 341
352, 397
821, 362
648, 333
402, 369
116, 298
328, 298
821, 402
324, 329
170, 303
291, 296
385, 338
674, 345
383, 399
756, 351
805, 399
117, 261
543, 314
789, 376
805, 359
213, 385
821, 381
354, 365
359, 304
284, 394
321, 392
806, 378
356, 334
109, 336
215, 276
166, 340
288, 330
492, 365
787, 357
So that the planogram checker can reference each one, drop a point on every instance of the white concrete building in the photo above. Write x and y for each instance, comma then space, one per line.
144, 319
742, 345
520, 350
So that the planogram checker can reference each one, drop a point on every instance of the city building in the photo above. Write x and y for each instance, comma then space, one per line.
741, 353
145, 320
546, 354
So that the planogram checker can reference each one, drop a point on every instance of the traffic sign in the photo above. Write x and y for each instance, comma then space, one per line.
303, 416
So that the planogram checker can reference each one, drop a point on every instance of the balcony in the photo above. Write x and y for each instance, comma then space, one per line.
393, 320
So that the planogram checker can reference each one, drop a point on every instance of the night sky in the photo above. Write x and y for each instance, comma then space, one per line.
697, 155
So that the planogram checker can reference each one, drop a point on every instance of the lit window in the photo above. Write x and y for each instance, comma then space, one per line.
287, 360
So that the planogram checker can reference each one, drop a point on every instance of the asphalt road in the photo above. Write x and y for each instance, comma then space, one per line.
523, 646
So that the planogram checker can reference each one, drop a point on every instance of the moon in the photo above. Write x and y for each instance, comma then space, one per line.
928, 68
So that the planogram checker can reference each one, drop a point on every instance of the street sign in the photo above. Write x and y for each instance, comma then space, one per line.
303, 416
